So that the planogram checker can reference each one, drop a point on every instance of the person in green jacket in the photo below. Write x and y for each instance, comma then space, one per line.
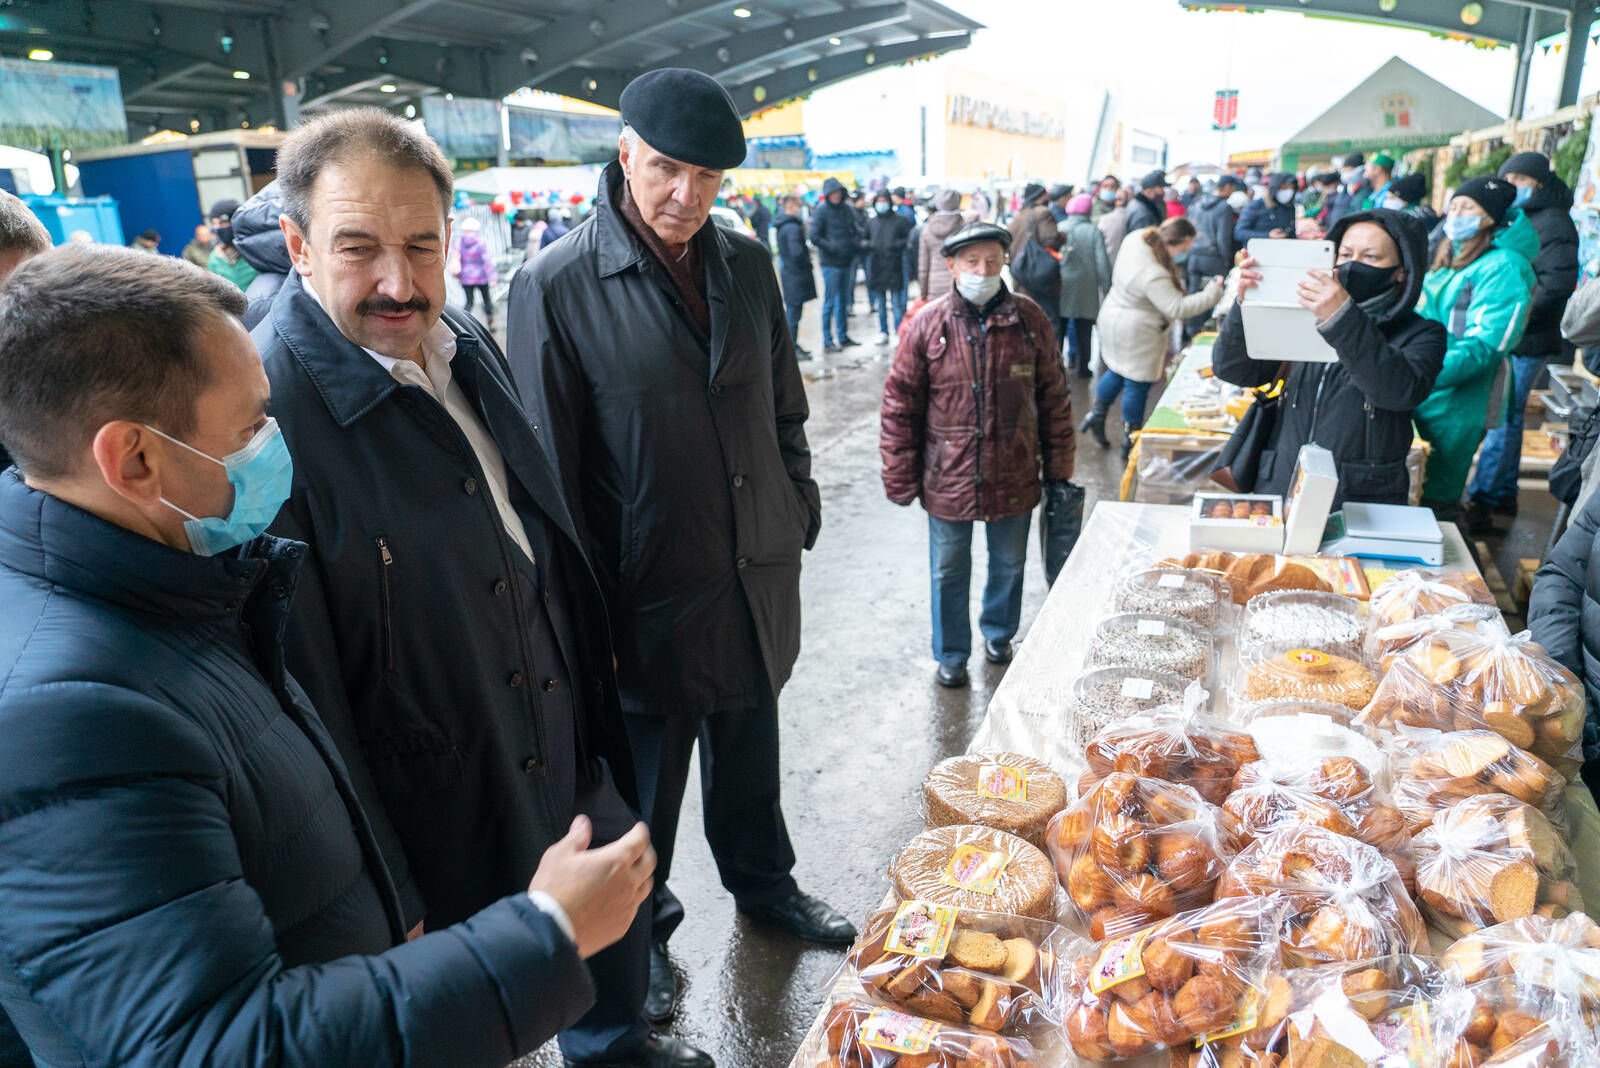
225, 259
1480, 288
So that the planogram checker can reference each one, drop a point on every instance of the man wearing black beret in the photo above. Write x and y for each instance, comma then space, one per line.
652, 350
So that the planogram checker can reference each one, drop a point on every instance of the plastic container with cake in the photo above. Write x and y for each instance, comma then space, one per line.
1103, 696
1288, 669
1146, 641
1302, 619
1202, 598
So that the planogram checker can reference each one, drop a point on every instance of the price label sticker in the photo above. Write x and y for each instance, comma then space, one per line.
975, 869
1138, 689
1155, 628
1171, 581
921, 929
897, 1032
1119, 961
1003, 782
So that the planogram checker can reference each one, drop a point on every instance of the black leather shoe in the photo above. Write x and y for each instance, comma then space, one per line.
660, 1051
951, 678
849, 343
1476, 519
661, 1001
998, 652
806, 917
831, 347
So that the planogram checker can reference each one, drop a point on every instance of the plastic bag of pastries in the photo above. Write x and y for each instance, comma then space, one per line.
1489, 859
1208, 973
1337, 793
1181, 745
1382, 1012
1133, 850
1007, 791
1546, 966
984, 970
974, 867
1419, 592
860, 1033
1386, 641
1197, 597
1345, 900
1463, 680
1279, 670
1432, 770
1251, 574
1503, 1022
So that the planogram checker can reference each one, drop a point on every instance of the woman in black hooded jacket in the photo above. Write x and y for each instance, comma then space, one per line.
1359, 408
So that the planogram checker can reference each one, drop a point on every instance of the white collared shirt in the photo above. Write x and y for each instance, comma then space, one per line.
438, 349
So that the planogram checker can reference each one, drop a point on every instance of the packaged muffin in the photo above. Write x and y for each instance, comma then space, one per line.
1252, 574
1185, 747
988, 970
1385, 643
1434, 769
865, 1034
1344, 899
1197, 597
1147, 642
1108, 695
1133, 850
1203, 976
1303, 619
1006, 791
1419, 592
974, 867
1274, 671
1490, 859
1463, 681
1385, 1012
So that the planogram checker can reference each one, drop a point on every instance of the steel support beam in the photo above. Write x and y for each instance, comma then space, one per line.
1519, 84
1501, 21
723, 56
570, 40
1580, 20
802, 78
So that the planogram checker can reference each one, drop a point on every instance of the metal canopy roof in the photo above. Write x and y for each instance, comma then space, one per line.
228, 62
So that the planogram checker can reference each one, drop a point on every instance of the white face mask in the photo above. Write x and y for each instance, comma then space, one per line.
979, 289
1394, 203
1285, 195
1238, 199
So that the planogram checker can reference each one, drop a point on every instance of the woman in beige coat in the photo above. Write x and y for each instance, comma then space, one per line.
1147, 297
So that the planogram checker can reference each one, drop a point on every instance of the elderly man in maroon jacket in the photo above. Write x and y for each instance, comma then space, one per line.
975, 415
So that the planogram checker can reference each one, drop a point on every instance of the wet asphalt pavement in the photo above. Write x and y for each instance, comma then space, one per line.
862, 722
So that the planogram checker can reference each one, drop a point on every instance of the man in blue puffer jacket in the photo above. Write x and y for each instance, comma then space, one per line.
187, 876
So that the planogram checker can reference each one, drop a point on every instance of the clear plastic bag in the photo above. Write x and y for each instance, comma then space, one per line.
1547, 967
1107, 695
1462, 680
1491, 859
860, 1033
965, 968
1419, 592
1507, 1024
1198, 597
1302, 619
1203, 975
1007, 791
1383, 1012
1336, 793
1345, 900
1147, 642
974, 867
1181, 745
1386, 642
1133, 850
1252, 574
1277, 671
1432, 770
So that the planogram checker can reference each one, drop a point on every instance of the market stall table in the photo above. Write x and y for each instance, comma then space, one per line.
1030, 711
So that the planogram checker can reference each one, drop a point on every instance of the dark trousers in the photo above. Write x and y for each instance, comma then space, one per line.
1079, 334
793, 311
615, 1026
739, 780
488, 301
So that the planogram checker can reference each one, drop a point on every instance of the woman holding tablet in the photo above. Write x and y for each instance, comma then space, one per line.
1358, 407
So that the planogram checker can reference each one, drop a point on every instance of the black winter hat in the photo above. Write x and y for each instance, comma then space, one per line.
1355, 159
972, 234
1535, 165
1058, 191
1411, 188
1031, 192
1493, 195
1153, 180
687, 115
1225, 180
223, 209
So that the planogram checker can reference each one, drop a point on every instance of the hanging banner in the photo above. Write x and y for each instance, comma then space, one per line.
559, 137
465, 127
1225, 110
67, 105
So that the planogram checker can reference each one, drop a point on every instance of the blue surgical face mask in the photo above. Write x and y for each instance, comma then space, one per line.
1461, 227
979, 289
1180, 257
1352, 176
260, 473
1285, 195
1524, 192
1394, 203
881, 207
1108, 195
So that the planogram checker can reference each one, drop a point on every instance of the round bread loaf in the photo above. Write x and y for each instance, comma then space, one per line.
977, 868
1006, 791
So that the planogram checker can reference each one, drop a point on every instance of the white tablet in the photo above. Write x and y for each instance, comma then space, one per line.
1276, 327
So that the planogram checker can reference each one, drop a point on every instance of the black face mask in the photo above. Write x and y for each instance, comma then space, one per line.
225, 234
1364, 281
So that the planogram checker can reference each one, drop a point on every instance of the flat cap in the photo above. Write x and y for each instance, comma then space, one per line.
1060, 190
687, 115
975, 233
1153, 180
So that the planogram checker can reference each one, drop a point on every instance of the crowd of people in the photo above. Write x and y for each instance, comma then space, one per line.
354, 662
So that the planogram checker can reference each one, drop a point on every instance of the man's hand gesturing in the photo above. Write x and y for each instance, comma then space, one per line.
600, 889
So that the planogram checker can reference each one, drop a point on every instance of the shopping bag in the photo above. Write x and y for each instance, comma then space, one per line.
1060, 523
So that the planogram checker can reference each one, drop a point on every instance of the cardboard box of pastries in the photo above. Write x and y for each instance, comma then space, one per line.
1246, 522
